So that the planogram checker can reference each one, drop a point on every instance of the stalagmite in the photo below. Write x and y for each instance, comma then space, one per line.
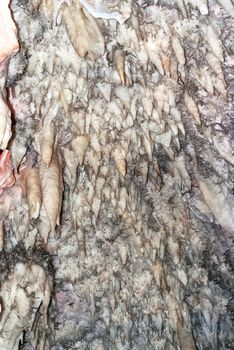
214, 42
86, 38
218, 203
178, 49
33, 192
52, 188
79, 145
192, 108
119, 61
119, 157
47, 138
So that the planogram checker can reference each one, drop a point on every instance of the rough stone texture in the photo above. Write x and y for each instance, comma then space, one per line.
142, 135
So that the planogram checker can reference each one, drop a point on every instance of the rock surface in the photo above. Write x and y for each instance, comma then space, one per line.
123, 208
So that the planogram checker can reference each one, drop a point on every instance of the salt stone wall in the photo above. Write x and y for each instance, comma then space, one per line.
117, 229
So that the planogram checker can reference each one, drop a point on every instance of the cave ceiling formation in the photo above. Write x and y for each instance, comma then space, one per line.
116, 175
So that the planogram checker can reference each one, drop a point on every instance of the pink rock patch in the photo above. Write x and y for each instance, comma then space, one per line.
8, 39
7, 178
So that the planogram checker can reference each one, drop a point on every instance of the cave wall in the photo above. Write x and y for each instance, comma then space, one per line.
116, 185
